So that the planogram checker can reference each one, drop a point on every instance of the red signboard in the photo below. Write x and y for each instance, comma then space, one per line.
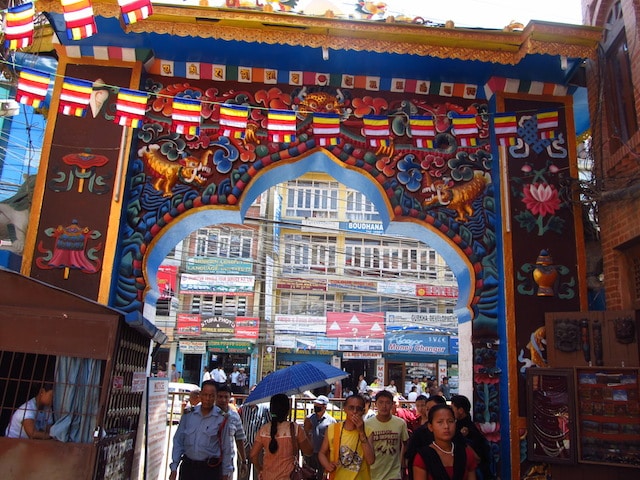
167, 280
247, 327
355, 324
188, 324
423, 290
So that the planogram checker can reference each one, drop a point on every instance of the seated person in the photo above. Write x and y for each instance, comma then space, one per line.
34, 418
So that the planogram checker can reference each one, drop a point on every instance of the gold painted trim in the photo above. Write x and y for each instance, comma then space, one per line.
496, 46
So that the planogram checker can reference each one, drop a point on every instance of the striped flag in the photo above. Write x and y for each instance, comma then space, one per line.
423, 131
376, 130
326, 128
131, 107
79, 20
133, 11
18, 30
547, 124
32, 87
281, 126
506, 127
75, 96
465, 129
185, 117
233, 120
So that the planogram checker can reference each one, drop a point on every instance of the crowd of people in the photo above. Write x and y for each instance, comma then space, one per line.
433, 438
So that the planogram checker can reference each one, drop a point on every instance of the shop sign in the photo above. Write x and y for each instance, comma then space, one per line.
218, 325
417, 321
227, 284
454, 345
397, 288
355, 325
362, 227
424, 290
301, 284
187, 346
167, 280
420, 343
305, 352
360, 344
188, 324
226, 346
247, 327
228, 266
360, 355
300, 323
352, 285
308, 342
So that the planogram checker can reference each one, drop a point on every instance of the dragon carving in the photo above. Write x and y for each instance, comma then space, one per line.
166, 174
458, 197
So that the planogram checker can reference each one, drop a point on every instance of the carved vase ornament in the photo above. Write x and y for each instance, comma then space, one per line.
545, 274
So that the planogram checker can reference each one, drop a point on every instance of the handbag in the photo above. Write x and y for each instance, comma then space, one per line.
304, 472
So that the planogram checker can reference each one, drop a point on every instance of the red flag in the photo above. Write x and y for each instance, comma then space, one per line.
281, 126
423, 131
131, 107
135, 10
506, 128
465, 129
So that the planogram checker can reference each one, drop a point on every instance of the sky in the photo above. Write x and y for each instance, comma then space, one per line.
473, 13
491, 13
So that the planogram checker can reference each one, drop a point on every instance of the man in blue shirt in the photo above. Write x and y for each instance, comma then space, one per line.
199, 447
315, 426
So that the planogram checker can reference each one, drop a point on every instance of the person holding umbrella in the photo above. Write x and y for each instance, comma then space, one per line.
280, 440
347, 449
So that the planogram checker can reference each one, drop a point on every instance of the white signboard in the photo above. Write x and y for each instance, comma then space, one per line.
157, 392
417, 321
300, 323
193, 347
360, 344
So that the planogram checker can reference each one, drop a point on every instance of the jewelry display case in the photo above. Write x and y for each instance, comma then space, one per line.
608, 416
551, 415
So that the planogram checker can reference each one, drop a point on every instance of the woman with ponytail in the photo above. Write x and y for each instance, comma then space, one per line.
272, 453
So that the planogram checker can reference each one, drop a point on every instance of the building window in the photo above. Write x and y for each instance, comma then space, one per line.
309, 254
224, 242
312, 199
219, 305
390, 259
618, 86
360, 208
313, 304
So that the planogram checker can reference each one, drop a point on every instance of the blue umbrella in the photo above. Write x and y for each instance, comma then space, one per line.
295, 379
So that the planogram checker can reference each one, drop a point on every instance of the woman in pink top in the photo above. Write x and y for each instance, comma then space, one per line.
444, 459
275, 440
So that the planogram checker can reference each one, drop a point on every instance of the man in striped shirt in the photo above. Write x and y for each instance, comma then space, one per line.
253, 417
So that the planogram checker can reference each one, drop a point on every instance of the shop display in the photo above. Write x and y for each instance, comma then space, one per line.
608, 416
551, 437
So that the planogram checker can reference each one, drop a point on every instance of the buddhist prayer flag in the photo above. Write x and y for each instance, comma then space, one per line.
376, 129
75, 96
281, 126
135, 10
79, 19
18, 30
131, 107
185, 117
326, 128
506, 127
32, 87
547, 124
423, 131
465, 130
233, 120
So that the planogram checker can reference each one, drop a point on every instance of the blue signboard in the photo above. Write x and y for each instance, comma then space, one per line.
416, 343
454, 345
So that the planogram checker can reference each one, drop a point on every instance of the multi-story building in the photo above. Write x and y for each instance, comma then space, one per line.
377, 305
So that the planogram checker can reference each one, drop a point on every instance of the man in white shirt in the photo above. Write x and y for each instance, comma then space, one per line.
235, 388
34, 418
